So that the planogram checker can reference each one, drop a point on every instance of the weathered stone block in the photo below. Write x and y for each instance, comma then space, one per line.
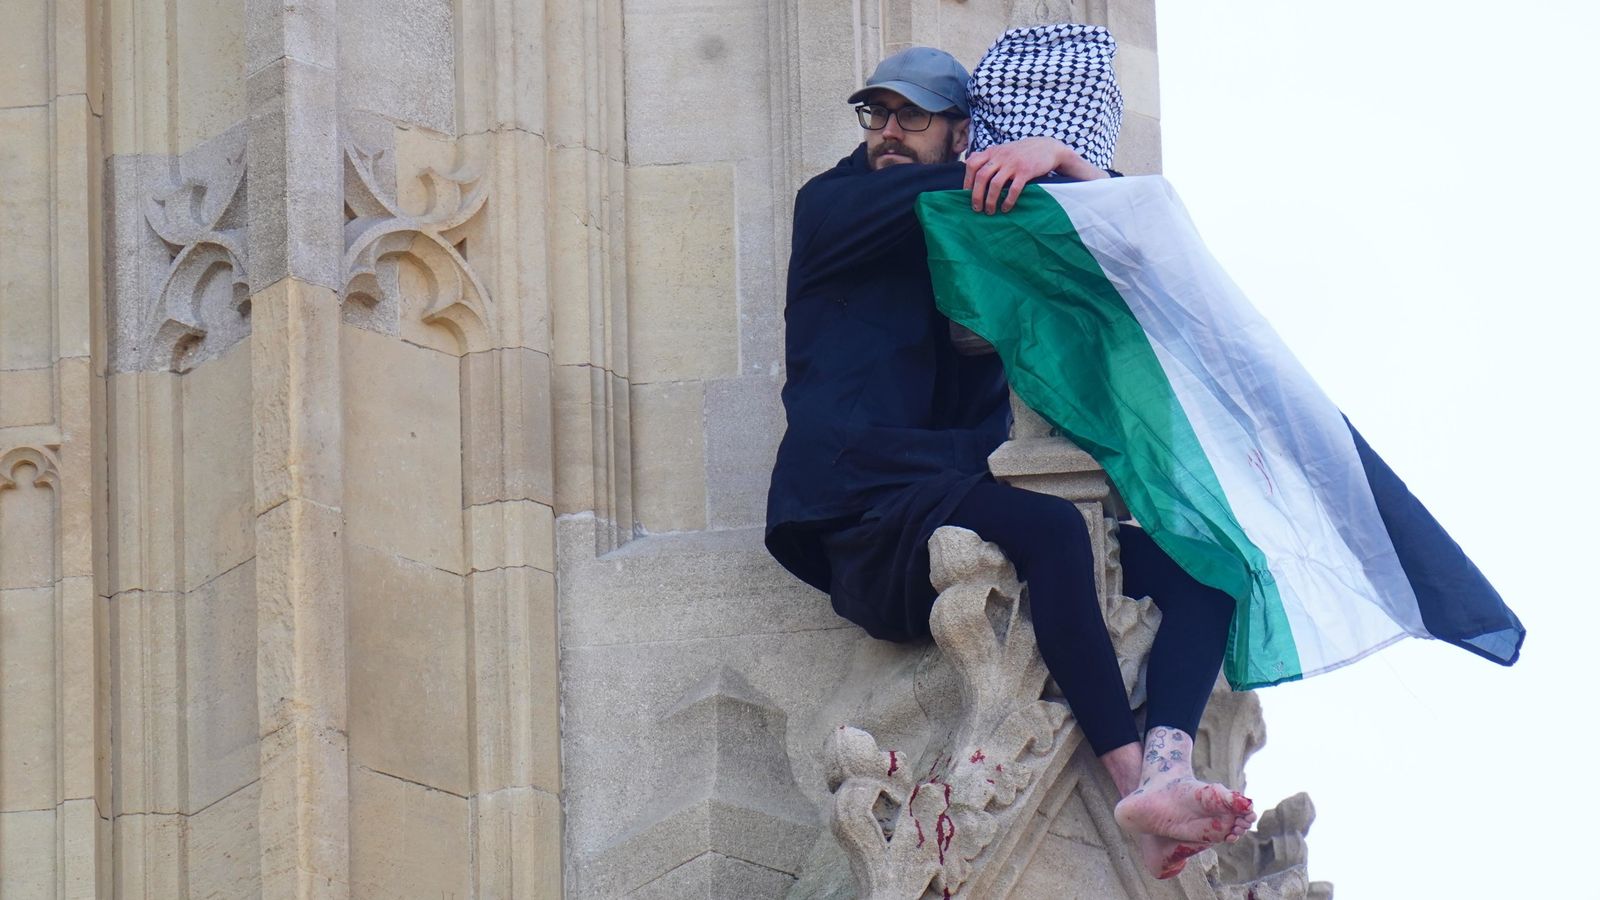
26, 397
146, 671
219, 624
83, 845
682, 58
403, 449
28, 854
30, 489
209, 68
514, 257
1059, 863
408, 669
1139, 145
682, 308
294, 171
511, 533
610, 758
502, 77
295, 374
224, 847
744, 423
143, 506
397, 58
1140, 82
515, 659
668, 430
518, 844
25, 45
1132, 22
682, 587
301, 617
78, 687
80, 453
77, 66
75, 251
760, 201
723, 784
28, 699
27, 335
406, 840
508, 448
218, 490
277, 29
154, 867
716, 877
593, 448
304, 813
576, 293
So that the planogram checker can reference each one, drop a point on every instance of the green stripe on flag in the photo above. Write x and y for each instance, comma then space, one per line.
1075, 353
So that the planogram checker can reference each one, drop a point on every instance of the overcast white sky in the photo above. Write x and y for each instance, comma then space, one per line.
1408, 191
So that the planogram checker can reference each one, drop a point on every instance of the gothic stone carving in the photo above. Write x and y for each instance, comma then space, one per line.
922, 829
904, 833
379, 234
43, 470
205, 293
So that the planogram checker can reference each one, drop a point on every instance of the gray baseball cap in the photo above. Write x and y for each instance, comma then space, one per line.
930, 78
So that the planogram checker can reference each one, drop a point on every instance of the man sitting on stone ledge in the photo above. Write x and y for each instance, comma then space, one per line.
890, 428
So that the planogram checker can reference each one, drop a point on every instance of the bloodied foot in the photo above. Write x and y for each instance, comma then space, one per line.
1174, 813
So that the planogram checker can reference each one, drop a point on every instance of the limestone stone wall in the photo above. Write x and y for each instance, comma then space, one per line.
387, 394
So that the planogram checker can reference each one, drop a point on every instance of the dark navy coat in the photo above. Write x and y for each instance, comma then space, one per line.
888, 427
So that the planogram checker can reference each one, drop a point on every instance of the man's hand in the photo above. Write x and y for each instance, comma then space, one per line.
1016, 163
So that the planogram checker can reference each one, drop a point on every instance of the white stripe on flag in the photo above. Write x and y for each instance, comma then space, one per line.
1280, 448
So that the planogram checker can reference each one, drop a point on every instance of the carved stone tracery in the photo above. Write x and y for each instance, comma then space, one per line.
379, 234
205, 289
906, 835
40, 460
952, 825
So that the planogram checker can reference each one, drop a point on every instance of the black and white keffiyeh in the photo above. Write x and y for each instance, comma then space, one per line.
1051, 81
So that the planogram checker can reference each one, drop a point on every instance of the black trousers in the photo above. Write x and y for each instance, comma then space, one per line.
1047, 539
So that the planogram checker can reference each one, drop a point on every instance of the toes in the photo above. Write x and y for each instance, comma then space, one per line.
1216, 799
1213, 800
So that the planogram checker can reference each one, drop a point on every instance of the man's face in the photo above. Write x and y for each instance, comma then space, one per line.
944, 140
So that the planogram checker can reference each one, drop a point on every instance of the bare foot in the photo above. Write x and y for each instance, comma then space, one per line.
1165, 857
1185, 808
1174, 814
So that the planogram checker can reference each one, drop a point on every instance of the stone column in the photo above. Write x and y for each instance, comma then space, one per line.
54, 797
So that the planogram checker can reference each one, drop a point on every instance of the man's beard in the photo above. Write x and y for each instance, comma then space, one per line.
893, 146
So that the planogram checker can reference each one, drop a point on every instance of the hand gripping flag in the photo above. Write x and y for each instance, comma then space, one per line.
1118, 327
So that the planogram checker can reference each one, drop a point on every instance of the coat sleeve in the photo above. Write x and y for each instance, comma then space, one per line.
843, 221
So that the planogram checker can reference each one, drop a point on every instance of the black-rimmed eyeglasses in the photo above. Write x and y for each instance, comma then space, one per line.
911, 118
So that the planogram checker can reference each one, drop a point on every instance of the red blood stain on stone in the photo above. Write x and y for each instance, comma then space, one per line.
894, 762
944, 831
944, 827
977, 756
920, 837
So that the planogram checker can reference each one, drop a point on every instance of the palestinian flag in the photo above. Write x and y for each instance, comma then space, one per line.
1118, 327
